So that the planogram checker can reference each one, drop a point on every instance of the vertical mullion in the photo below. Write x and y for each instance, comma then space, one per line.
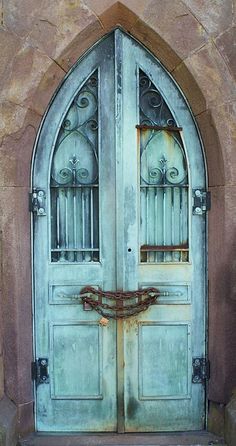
143, 234
156, 223
164, 221
58, 219
181, 221
147, 219
91, 219
62, 222
83, 221
172, 222
66, 220
74, 223
87, 224
177, 220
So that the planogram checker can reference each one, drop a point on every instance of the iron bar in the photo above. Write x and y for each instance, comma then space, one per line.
74, 249
158, 127
58, 220
165, 248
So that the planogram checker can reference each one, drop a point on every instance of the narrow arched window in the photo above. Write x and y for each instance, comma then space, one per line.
74, 180
163, 180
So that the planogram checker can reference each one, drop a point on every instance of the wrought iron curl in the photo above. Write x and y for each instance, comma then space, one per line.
164, 174
92, 124
153, 109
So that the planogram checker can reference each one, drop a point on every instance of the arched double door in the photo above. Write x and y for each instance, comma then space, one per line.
116, 162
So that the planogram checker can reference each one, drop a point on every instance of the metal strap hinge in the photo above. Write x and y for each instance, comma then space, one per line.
40, 371
201, 201
201, 370
37, 202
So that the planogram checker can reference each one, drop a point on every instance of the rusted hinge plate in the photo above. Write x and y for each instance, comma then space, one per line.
201, 370
40, 371
201, 201
37, 202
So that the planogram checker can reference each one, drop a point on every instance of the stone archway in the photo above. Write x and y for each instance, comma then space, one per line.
36, 69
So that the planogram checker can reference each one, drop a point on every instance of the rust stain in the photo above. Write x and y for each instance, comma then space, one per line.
157, 127
182, 247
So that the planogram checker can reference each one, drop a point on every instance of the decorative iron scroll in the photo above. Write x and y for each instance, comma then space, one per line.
164, 185
153, 108
74, 180
120, 309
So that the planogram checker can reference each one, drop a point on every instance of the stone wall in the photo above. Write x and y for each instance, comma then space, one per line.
39, 42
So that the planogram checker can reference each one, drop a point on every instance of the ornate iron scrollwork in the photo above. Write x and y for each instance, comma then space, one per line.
74, 180
153, 108
163, 179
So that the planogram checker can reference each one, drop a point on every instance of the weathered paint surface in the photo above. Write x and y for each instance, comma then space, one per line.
143, 367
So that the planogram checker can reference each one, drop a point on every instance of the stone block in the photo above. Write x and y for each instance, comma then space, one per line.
217, 261
190, 88
156, 44
12, 118
58, 24
215, 15
9, 46
213, 149
19, 17
176, 24
118, 14
16, 292
230, 421
226, 43
1, 376
222, 301
8, 420
98, 6
82, 42
224, 118
17, 145
216, 418
25, 415
212, 75
47, 86
28, 67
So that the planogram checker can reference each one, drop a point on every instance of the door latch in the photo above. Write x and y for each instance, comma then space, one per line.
37, 202
40, 371
201, 370
201, 201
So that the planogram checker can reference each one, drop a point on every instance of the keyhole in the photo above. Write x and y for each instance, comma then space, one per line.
129, 249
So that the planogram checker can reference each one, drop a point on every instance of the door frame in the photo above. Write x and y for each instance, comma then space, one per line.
206, 180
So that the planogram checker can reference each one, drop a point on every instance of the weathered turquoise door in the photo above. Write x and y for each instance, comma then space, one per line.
116, 163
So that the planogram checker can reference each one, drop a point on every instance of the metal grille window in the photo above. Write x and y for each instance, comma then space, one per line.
163, 180
74, 181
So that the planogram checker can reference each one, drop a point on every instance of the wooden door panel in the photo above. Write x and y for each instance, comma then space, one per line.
163, 361
76, 360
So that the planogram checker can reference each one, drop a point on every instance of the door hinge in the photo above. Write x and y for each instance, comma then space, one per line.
201, 201
201, 370
40, 371
37, 202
